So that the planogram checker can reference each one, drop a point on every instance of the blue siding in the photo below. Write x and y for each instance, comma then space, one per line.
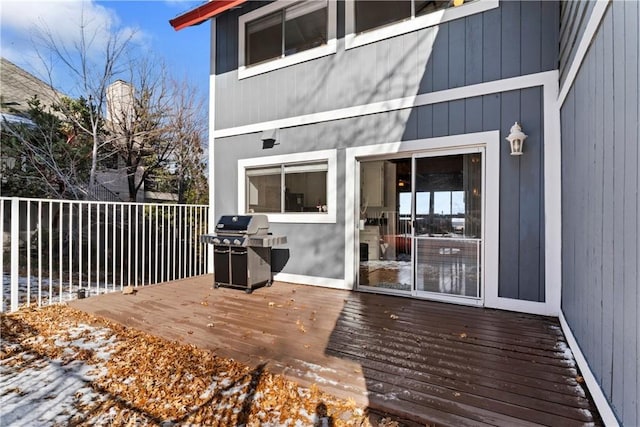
480, 48
521, 219
601, 212
574, 16
475, 49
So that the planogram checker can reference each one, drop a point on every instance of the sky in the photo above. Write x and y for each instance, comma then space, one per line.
185, 52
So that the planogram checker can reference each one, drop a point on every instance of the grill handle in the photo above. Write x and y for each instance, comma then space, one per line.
239, 252
221, 252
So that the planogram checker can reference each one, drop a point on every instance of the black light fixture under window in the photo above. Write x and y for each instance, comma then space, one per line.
269, 138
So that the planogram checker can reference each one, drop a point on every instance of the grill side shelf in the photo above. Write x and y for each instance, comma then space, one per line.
267, 241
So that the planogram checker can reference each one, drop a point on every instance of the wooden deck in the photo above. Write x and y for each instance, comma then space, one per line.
427, 362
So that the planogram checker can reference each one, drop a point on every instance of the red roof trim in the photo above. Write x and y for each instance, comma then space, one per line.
202, 13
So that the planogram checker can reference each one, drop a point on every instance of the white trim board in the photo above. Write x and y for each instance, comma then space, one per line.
497, 86
606, 413
324, 282
328, 49
308, 156
490, 141
587, 37
353, 40
211, 148
552, 163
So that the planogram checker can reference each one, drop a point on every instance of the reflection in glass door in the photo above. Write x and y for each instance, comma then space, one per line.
448, 224
420, 229
385, 234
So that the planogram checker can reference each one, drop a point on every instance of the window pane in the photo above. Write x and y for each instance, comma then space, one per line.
423, 203
306, 192
264, 38
372, 14
424, 7
263, 192
305, 26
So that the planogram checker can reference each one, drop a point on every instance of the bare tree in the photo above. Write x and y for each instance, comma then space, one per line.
128, 111
139, 123
187, 125
91, 73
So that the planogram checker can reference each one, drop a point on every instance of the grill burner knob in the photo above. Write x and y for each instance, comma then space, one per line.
226, 241
216, 241
237, 242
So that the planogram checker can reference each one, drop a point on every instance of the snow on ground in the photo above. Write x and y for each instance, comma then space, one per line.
61, 367
59, 291
37, 390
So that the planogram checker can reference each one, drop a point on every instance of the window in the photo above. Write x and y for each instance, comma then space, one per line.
374, 14
291, 188
304, 189
368, 21
285, 33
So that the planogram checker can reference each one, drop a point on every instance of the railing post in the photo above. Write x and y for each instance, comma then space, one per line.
2, 307
15, 251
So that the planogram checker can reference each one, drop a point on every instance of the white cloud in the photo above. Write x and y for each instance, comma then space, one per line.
23, 23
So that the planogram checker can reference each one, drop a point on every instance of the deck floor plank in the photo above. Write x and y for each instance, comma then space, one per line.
428, 362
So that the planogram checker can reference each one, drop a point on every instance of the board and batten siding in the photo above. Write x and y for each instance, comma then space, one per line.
574, 16
517, 38
601, 211
317, 249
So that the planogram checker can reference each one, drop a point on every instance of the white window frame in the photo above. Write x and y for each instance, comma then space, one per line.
317, 52
353, 40
330, 156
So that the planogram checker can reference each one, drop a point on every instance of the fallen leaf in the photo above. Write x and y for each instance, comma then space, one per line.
463, 335
394, 317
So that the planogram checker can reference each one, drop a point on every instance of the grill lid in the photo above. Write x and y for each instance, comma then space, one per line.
249, 224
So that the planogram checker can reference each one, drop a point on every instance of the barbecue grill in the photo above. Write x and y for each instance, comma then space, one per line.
242, 251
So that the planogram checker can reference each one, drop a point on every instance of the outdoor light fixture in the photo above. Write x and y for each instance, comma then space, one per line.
516, 139
269, 138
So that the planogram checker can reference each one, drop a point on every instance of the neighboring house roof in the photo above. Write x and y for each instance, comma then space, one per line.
17, 86
203, 12
12, 118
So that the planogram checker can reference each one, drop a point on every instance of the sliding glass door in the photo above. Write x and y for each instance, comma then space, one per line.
420, 229
447, 227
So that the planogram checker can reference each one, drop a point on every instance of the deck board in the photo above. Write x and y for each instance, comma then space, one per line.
425, 361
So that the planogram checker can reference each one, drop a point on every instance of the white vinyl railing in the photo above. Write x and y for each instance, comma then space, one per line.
56, 250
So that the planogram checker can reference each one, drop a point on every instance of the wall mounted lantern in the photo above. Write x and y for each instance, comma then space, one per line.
516, 139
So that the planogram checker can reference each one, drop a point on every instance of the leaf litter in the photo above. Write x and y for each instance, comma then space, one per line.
61, 366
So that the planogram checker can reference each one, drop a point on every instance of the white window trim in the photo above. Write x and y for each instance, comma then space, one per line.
307, 55
330, 156
490, 141
353, 40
